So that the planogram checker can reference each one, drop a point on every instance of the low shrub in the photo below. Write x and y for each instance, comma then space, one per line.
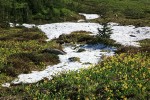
75, 37
85, 38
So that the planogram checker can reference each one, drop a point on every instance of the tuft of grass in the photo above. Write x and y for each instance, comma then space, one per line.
75, 37
85, 38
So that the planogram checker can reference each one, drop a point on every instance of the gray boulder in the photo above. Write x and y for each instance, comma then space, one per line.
54, 51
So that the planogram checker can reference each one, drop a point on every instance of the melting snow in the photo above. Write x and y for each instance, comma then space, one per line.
128, 35
25, 25
125, 35
29, 25
56, 29
91, 55
90, 16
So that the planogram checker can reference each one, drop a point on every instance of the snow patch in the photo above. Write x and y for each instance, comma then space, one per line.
29, 25
81, 20
54, 30
25, 25
6, 85
91, 56
121, 34
90, 16
129, 35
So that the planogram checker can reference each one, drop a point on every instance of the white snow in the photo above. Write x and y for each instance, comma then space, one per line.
54, 30
81, 20
25, 25
128, 35
89, 57
90, 16
121, 34
28, 25
13, 25
6, 85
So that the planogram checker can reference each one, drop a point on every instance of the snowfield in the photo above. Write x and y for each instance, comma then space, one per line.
89, 57
129, 35
54, 30
125, 35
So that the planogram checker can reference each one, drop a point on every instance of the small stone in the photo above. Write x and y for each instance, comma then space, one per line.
132, 35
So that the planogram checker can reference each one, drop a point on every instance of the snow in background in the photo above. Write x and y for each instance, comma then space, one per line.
90, 16
54, 30
125, 35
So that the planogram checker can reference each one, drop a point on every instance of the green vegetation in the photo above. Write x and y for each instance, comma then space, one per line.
21, 52
75, 37
24, 34
85, 38
124, 76
145, 43
145, 47
105, 31
42, 11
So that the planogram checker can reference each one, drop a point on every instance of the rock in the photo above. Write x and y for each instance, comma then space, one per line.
54, 51
81, 50
74, 59
87, 63
132, 35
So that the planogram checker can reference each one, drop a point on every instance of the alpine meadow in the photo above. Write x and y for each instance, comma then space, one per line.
74, 49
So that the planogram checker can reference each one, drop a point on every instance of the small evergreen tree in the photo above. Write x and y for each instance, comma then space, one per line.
105, 31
